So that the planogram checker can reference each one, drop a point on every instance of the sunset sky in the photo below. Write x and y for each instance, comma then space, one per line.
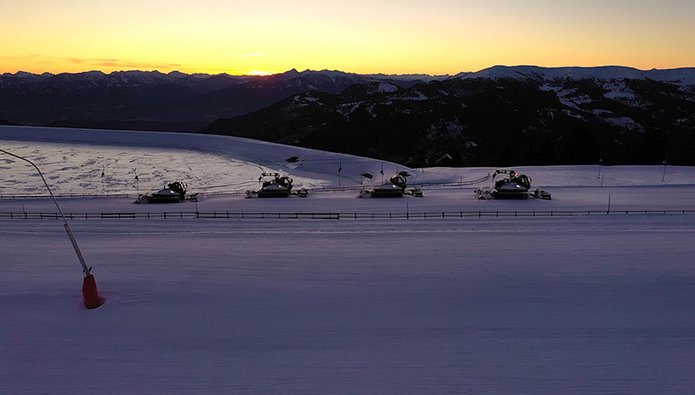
361, 36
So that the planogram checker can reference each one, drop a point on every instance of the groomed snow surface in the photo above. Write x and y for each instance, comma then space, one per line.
581, 304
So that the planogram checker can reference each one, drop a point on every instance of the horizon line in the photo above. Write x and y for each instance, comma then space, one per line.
335, 70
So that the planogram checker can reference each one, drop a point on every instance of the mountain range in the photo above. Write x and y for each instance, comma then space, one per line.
497, 116
156, 101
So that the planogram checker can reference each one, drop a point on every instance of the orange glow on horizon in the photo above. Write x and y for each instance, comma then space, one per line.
359, 36
260, 72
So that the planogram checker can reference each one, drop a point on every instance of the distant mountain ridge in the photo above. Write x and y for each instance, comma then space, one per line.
185, 102
685, 75
500, 115
605, 73
158, 101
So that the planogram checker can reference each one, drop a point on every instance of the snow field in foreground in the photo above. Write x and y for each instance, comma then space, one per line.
511, 306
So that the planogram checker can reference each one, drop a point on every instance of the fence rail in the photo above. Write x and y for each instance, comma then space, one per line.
66, 196
329, 215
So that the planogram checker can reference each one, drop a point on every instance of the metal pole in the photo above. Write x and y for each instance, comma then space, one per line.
137, 181
85, 269
382, 172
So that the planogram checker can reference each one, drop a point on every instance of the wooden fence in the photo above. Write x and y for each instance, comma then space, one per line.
66, 196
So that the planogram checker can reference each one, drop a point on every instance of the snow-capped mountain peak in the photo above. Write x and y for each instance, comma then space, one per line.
603, 73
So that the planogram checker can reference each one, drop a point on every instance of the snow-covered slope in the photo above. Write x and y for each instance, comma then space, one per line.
75, 159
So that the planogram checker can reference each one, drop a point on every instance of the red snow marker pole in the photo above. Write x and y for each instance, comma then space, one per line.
89, 286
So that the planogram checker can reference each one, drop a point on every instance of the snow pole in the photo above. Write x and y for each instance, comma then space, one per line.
91, 296
340, 169
382, 172
137, 181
